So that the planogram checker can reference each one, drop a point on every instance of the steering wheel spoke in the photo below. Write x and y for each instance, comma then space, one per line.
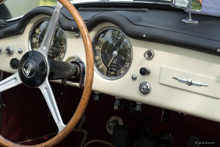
10, 82
51, 103
51, 29
36, 75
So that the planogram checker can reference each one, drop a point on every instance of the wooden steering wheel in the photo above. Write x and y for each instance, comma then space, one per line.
27, 68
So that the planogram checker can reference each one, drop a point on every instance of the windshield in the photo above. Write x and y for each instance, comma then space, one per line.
15, 8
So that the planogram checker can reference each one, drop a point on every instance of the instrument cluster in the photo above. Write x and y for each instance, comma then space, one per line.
112, 48
59, 44
112, 53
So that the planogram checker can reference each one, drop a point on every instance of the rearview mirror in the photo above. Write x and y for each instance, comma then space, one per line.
194, 5
188, 5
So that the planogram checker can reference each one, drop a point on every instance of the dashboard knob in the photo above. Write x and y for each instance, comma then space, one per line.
14, 63
145, 87
149, 54
145, 71
9, 50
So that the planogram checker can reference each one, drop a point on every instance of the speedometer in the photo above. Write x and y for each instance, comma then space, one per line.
58, 47
112, 53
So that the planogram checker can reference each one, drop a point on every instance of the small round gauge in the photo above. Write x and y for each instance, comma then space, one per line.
58, 47
112, 53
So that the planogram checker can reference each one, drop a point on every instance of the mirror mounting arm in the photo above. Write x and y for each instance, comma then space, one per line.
189, 20
189, 6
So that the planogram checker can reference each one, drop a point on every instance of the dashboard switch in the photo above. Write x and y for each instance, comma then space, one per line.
135, 107
145, 88
117, 103
138, 106
14, 63
134, 77
9, 50
149, 54
145, 71
20, 50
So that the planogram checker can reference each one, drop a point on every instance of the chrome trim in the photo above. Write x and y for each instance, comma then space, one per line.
77, 35
10, 82
97, 71
52, 105
9, 50
20, 50
145, 87
51, 29
120, 1
78, 60
134, 77
189, 82
16, 18
32, 29
148, 71
45, 87
147, 54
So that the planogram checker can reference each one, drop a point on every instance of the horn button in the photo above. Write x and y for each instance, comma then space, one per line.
32, 69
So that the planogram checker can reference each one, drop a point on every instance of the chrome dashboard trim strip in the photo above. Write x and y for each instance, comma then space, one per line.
189, 82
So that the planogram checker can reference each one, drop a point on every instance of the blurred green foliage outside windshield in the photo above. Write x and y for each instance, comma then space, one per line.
47, 2
16, 8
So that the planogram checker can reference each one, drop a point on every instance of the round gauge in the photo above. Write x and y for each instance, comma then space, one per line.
58, 47
112, 53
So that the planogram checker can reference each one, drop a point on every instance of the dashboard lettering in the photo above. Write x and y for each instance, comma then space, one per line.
101, 66
97, 58
97, 48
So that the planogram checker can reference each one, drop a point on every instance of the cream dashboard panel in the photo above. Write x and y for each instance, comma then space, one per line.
18, 41
169, 61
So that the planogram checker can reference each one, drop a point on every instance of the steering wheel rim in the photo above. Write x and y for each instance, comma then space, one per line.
88, 84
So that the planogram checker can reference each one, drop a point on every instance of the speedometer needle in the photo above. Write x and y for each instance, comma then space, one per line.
110, 61
115, 53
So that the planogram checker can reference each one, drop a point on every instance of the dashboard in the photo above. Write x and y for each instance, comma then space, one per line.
133, 68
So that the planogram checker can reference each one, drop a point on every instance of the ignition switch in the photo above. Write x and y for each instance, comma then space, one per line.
145, 88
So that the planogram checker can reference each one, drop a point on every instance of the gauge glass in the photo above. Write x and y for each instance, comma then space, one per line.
58, 47
112, 53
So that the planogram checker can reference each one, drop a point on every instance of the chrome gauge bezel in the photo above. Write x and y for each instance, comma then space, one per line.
96, 70
34, 27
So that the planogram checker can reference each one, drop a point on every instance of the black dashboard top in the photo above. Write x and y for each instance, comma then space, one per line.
157, 25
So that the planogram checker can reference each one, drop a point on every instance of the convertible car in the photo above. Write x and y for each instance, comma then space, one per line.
110, 73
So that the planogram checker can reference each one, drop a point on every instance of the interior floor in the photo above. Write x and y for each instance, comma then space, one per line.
26, 116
